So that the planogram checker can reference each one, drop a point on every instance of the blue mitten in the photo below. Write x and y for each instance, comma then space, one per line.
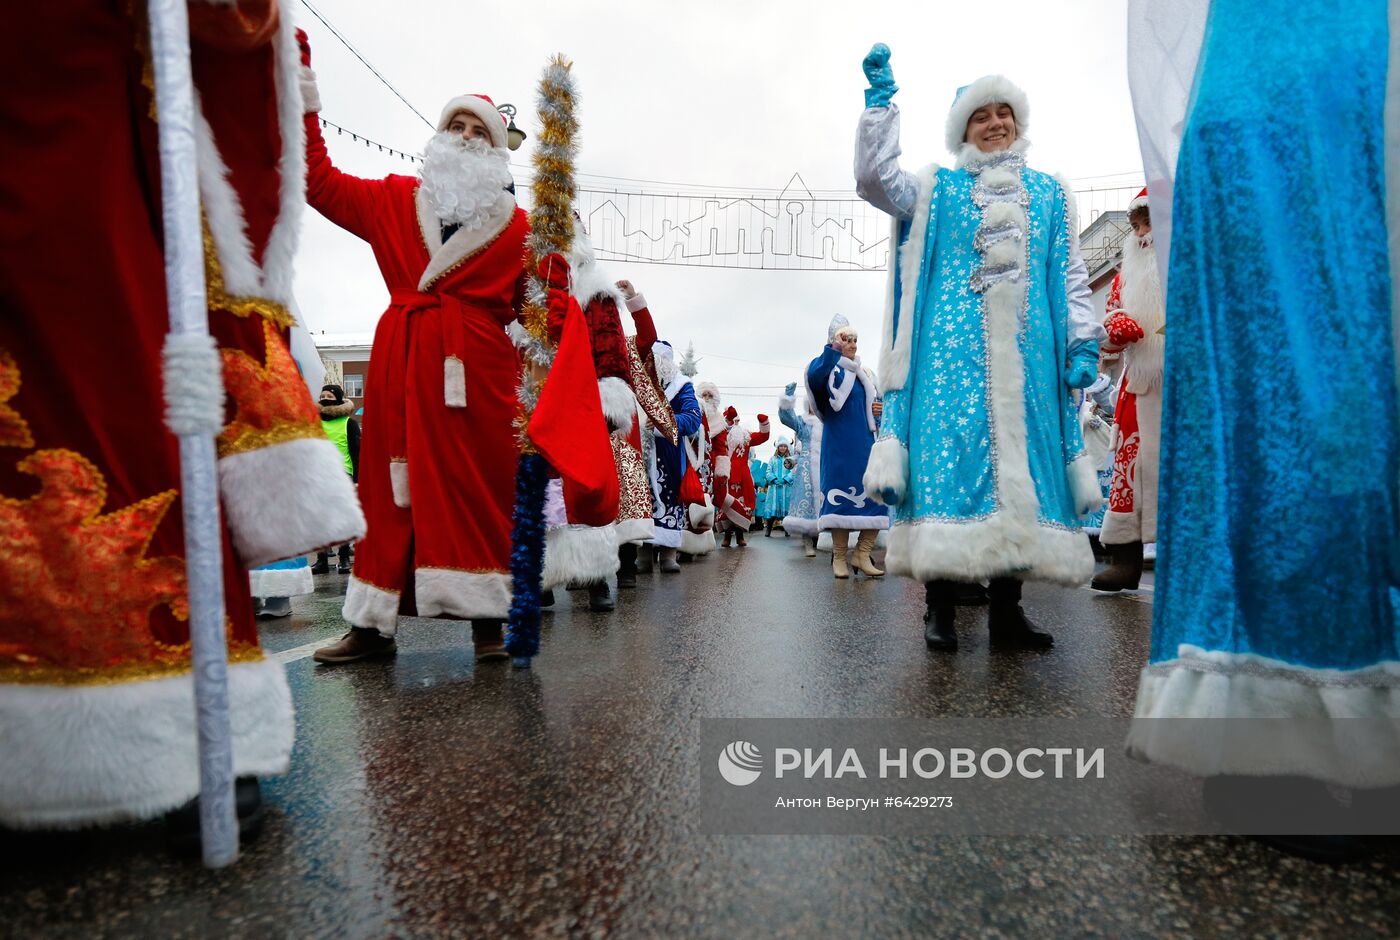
1083, 366
880, 76
791, 389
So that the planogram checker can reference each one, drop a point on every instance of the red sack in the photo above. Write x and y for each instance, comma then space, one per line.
692, 493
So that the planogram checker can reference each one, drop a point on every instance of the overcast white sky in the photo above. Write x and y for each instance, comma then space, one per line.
726, 94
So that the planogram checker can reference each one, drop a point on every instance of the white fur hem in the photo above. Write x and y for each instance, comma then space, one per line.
794, 525
468, 595
831, 521
454, 382
398, 482
991, 547
1334, 725
1084, 484
88, 755
579, 554
372, 607
282, 582
619, 403
666, 538
700, 518
722, 467
887, 471
635, 531
697, 543
287, 499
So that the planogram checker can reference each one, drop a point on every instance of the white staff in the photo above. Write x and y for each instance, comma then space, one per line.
194, 412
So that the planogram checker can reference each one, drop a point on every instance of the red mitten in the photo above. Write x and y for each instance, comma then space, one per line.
762, 419
554, 271
304, 46
731, 413
1122, 329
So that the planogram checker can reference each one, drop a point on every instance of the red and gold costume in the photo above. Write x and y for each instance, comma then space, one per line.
97, 721
437, 463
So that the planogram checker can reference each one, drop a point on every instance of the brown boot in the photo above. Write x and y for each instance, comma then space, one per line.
489, 641
840, 540
861, 559
728, 537
1125, 572
359, 643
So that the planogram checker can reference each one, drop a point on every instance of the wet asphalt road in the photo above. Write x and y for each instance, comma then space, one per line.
429, 797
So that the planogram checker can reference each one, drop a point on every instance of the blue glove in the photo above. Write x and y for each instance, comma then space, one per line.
880, 76
791, 389
1083, 366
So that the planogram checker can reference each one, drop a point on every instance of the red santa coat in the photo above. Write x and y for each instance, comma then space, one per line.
437, 466
734, 493
96, 701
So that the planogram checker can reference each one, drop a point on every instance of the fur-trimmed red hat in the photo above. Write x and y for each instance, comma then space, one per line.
482, 107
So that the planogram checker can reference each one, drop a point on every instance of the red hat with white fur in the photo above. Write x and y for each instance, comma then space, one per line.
482, 107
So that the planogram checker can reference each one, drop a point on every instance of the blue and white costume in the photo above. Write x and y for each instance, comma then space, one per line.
987, 321
1274, 172
844, 394
777, 477
667, 460
803, 502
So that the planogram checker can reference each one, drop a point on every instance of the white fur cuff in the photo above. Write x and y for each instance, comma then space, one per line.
281, 582
310, 94
288, 499
454, 382
1084, 484
468, 595
636, 303
887, 471
371, 607
722, 467
398, 482
619, 404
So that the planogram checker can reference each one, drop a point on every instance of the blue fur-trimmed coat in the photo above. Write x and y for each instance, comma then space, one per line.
980, 448
844, 395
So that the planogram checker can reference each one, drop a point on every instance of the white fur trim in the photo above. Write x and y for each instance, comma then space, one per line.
288, 499
991, 547
398, 483
886, 471
93, 754
371, 607
619, 402
722, 466
454, 382
700, 517
787, 402
697, 543
476, 105
194, 388
1137, 202
636, 304
588, 278
969, 156
310, 93
1071, 213
1144, 301
1328, 724
896, 347
989, 89
467, 595
579, 554
831, 521
281, 582
793, 525
1084, 484
634, 531
666, 538
462, 245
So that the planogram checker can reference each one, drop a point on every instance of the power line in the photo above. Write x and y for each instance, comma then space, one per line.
356, 53
355, 135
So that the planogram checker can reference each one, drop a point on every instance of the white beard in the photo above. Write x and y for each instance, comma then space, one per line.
665, 364
1143, 300
465, 181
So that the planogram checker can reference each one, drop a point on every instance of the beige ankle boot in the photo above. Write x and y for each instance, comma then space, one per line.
809, 547
861, 559
840, 540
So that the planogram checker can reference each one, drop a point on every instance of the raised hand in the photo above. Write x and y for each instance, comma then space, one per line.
880, 75
790, 390
628, 291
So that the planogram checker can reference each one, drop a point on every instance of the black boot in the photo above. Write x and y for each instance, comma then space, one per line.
627, 566
182, 825
344, 566
1125, 572
323, 563
941, 597
1007, 622
768, 529
600, 599
971, 594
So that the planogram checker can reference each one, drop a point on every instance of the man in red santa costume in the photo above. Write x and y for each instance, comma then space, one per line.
97, 715
437, 466
1136, 323
734, 494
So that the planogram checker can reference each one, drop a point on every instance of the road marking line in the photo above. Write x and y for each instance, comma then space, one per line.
298, 652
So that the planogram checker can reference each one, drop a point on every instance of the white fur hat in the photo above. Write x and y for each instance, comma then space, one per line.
989, 89
838, 323
482, 107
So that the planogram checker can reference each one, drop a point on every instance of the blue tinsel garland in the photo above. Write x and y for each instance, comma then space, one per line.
526, 560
